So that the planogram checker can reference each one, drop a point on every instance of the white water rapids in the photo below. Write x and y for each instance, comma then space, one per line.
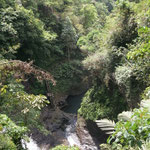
32, 145
74, 140
71, 135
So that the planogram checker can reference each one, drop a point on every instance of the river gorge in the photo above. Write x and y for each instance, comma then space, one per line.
64, 128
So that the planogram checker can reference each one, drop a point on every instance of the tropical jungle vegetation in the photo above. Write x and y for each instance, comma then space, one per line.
54, 46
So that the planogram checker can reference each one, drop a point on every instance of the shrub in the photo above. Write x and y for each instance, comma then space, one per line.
132, 133
102, 102
6, 143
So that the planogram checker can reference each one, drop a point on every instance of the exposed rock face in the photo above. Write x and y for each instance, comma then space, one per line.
54, 119
59, 100
86, 139
55, 122
85, 134
89, 134
98, 135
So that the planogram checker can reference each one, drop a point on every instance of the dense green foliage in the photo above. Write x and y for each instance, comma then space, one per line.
103, 43
132, 130
45, 33
121, 62
23, 108
6, 143
10, 134
101, 102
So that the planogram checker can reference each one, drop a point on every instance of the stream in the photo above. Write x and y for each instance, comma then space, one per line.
73, 103
70, 133
31, 145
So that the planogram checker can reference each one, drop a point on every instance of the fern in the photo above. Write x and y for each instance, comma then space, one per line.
109, 125
106, 125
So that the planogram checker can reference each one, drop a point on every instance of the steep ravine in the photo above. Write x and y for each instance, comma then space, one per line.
64, 128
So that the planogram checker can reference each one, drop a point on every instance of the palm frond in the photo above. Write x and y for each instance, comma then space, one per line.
146, 146
145, 103
125, 115
106, 125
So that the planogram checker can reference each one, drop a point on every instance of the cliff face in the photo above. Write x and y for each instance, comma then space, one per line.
89, 134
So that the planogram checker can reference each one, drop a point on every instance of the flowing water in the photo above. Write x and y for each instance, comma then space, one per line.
73, 103
73, 139
71, 135
31, 145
